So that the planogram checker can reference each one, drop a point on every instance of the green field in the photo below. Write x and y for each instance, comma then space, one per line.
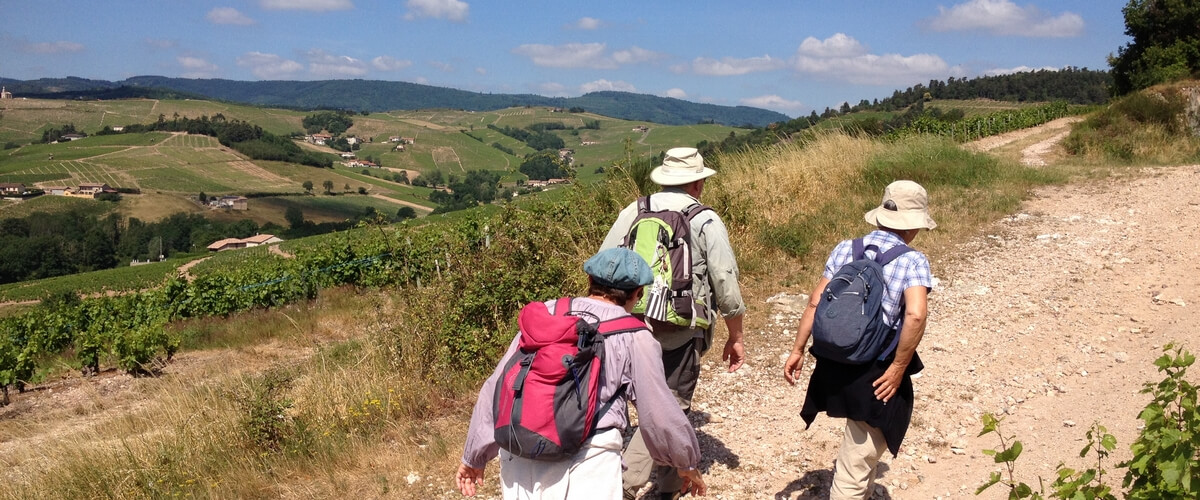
450, 141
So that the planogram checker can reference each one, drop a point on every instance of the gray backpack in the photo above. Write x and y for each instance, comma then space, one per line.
848, 326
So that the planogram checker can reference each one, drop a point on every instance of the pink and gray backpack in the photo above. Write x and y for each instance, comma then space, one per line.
547, 400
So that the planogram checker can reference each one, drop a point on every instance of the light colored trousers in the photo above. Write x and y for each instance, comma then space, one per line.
854, 474
594, 472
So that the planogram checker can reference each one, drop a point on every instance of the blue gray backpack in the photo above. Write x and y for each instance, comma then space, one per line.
849, 326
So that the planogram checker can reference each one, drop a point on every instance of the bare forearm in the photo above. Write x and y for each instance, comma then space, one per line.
734, 325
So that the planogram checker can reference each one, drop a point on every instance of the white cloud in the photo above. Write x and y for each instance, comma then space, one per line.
228, 15
634, 55
195, 67
603, 84
773, 102
389, 63
1002, 17
481, 70
728, 66
321, 63
838, 45
452, 10
1018, 69
269, 66
588, 23
311, 5
583, 55
677, 93
59, 47
842, 58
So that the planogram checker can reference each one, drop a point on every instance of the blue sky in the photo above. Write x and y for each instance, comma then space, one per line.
787, 56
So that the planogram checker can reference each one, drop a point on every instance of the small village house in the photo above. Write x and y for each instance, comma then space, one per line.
12, 189
235, 243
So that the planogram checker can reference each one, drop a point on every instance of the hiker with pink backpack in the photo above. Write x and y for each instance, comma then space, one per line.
554, 409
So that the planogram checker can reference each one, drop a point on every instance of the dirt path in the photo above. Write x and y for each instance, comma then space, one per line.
997, 141
402, 202
1052, 318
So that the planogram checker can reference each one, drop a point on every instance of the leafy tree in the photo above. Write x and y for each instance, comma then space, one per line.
203, 197
308, 186
328, 185
362, 190
543, 166
294, 216
1165, 46
406, 213
346, 187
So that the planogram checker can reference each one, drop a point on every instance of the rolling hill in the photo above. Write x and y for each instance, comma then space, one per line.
376, 95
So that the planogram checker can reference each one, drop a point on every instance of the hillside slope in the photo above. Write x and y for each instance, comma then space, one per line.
376, 95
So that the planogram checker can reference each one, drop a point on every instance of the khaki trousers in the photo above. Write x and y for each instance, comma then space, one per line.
854, 474
682, 367
593, 473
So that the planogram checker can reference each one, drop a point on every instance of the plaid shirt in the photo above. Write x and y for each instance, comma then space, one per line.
908, 270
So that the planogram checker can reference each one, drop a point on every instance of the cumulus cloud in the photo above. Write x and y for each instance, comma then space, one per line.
1018, 69
843, 58
588, 23
603, 84
773, 102
228, 15
1002, 17
677, 93
59, 47
310, 5
196, 67
838, 45
389, 63
324, 64
269, 66
451, 10
729, 66
583, 55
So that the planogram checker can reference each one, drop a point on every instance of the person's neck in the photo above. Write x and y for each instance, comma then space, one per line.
628, 307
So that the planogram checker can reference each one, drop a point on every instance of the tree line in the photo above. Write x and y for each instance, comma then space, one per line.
244, 137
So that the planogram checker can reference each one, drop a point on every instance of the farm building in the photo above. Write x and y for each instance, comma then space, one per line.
233, 202
235, 243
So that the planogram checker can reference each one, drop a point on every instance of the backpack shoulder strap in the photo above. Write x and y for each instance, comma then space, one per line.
562, 306
693, 210
858, 249
622, 324
890, 255
643, 204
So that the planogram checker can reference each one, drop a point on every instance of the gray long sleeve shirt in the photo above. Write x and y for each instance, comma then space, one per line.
714, 267
630, 358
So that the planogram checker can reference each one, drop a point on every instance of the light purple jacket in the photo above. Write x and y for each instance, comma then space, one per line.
630, 358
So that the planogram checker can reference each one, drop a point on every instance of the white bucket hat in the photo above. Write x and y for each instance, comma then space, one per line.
905, 206
680, 166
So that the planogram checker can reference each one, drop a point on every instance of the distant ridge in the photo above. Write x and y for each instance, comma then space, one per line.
377, 95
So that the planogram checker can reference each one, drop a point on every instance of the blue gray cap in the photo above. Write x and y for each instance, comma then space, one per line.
618, 268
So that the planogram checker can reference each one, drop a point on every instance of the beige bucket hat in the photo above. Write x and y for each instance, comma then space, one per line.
680, 166
905, 206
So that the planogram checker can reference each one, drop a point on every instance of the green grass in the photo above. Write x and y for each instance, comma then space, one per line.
55, 204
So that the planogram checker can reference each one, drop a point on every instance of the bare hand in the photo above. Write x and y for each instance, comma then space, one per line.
692, 482
887, 385
467, 478
735, 354
791, 369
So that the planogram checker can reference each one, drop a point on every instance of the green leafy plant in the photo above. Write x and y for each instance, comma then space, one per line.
1072, 484
1165, 454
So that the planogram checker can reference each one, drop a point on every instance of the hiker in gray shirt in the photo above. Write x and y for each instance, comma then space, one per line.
715, 289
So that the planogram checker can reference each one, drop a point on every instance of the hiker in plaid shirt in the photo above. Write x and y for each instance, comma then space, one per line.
875, 398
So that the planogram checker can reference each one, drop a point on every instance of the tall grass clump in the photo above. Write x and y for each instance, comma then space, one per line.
1148, 126
794, 201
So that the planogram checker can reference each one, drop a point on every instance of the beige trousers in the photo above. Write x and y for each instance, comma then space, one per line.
594, 472
854, 474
